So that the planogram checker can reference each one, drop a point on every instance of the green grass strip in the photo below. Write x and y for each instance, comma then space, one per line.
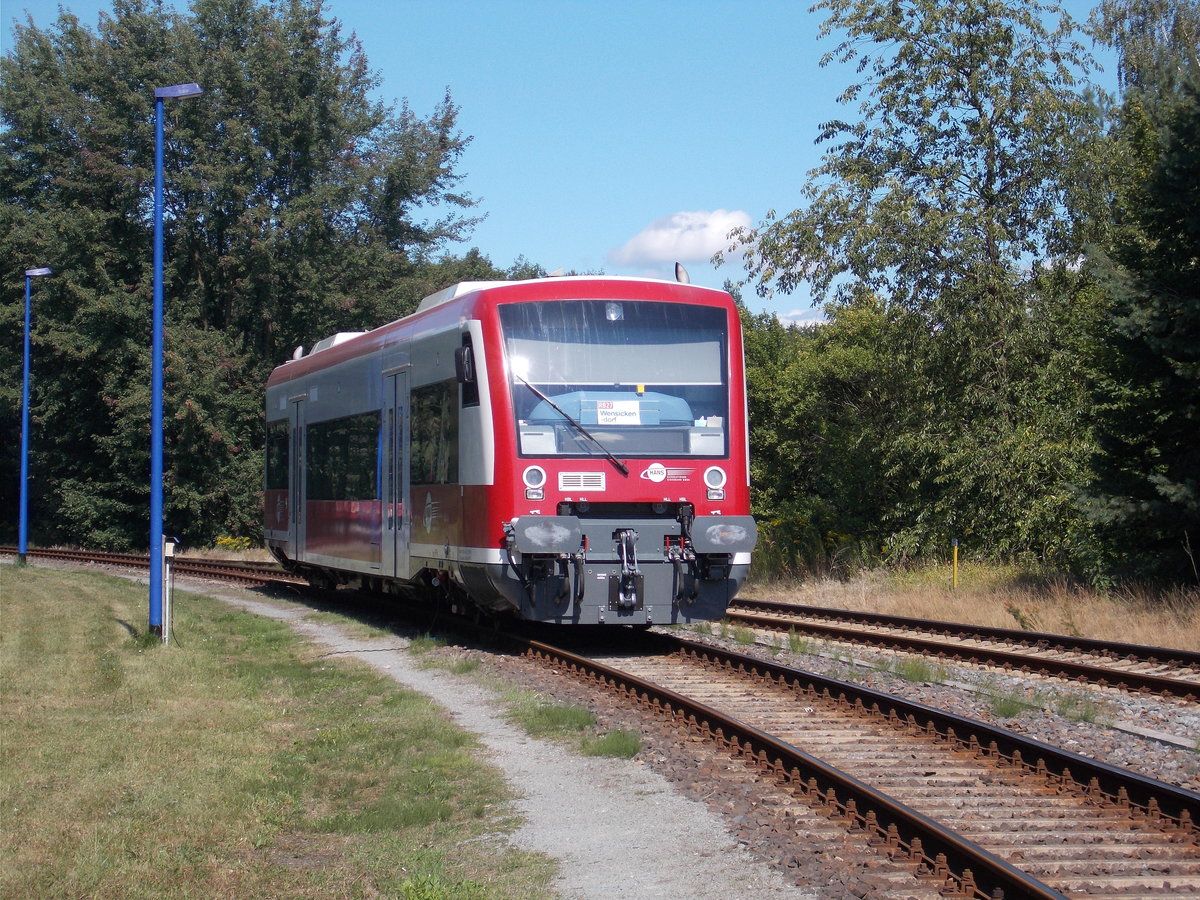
235, 762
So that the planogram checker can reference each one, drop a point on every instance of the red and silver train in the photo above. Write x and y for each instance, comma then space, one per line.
567, 450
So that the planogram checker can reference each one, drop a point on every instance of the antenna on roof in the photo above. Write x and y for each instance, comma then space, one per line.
681, 274
556, 273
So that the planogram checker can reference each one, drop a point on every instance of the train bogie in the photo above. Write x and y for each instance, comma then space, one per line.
568, 450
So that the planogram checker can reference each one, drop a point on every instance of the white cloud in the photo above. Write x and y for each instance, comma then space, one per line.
680, 237
808, 316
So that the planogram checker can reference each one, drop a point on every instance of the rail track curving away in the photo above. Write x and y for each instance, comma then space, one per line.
1160, 671
221, 569
1136, 668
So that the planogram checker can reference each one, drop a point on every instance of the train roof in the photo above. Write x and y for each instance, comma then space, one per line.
466, 288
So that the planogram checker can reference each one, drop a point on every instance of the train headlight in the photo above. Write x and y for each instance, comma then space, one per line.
535, 483
714, 480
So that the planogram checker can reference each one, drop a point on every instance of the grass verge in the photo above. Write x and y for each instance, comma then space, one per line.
237, 762
541, 717
534, 713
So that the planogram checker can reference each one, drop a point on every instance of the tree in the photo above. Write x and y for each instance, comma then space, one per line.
1144, 497
946, 202
1155, 40
296, 206
820, 404
954, 174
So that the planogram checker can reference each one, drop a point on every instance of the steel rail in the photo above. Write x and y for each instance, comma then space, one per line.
1162, 805
1079, 671
228, 570
1116, 785
1040, 639
132, 559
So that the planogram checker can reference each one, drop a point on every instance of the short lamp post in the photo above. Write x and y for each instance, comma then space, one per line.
23, 516
179, 92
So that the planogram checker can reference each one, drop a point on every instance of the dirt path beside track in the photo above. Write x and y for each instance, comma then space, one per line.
619, 830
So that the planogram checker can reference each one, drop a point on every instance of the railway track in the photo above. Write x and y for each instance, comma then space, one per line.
221, 569
1128, 667
974, 808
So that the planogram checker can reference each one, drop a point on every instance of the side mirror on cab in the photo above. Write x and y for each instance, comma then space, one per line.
464, 365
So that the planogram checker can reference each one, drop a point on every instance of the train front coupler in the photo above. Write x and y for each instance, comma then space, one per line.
626, 590
683, 560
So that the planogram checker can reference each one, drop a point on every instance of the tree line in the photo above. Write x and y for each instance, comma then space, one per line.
297, 207
1009, 263
1007, 259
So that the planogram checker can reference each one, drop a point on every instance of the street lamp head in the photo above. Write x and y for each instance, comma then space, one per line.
34, 273
178, 91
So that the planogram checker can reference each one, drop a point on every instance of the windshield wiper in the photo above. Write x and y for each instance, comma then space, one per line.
578, 427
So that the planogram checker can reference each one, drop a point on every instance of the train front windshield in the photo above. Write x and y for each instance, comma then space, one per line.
630, 377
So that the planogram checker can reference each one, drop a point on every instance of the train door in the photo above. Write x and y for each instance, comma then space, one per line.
297, 494
395, 488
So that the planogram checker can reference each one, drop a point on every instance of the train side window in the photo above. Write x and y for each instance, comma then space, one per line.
278, 451
343, 458
433, 434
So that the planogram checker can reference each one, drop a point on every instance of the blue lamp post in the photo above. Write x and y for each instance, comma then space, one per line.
23, 518
177, 91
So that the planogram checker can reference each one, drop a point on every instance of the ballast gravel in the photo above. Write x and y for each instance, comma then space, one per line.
1158, 737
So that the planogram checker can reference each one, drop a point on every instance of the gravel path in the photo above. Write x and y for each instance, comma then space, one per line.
619, 829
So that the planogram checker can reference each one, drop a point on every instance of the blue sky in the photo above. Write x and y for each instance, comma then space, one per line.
619, 136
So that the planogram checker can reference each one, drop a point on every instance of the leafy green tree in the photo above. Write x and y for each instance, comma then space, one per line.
471, 266
953, 175
777, 451
296, 206
1144, 497
1155, 40
948, 201
821, 401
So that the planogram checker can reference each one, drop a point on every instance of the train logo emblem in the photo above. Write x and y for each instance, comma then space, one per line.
655, 472
658, 473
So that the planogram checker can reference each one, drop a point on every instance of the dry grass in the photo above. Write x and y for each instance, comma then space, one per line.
1005, 598
241, 554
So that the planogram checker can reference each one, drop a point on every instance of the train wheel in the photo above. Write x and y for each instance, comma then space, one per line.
320, 580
